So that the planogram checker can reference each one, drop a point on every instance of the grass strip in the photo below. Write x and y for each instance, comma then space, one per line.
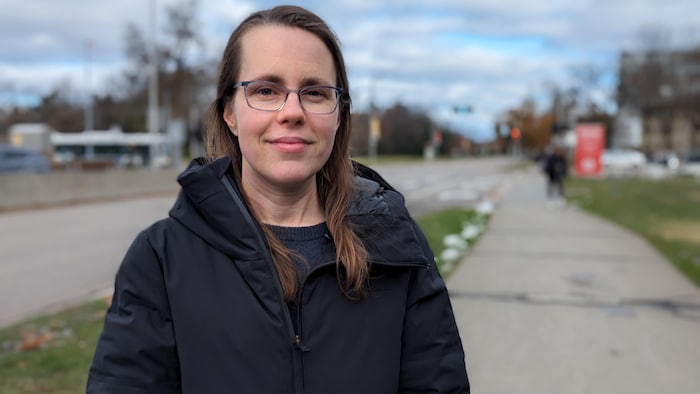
664, 212
440, 224
52, 353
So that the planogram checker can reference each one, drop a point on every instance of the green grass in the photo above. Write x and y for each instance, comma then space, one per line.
665, 212
439, 224
61, 365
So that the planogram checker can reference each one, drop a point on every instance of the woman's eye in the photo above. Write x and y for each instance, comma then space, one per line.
316, 93
266, 91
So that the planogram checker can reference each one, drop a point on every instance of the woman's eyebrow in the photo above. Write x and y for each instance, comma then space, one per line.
314, 81
309, 81
268, 78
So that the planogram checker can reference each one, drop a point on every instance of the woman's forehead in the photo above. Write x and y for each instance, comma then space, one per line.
285, 53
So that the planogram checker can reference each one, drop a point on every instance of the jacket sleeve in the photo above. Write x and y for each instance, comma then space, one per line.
432, 358
136, 351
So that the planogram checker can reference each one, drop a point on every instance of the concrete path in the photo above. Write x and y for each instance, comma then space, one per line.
557, 301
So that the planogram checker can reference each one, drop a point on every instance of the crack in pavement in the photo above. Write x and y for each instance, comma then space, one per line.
613, 305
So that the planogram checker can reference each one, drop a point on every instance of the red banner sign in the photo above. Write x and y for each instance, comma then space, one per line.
590, 142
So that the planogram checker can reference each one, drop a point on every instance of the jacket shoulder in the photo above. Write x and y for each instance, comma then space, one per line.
374, 195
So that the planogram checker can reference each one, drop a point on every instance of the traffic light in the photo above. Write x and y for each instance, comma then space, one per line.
462, 109
515, 133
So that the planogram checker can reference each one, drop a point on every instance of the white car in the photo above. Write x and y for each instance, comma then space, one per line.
623, 160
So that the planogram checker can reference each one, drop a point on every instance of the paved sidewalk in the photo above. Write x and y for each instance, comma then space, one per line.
557, 301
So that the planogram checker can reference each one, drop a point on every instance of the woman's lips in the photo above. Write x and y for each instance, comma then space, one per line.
290, 144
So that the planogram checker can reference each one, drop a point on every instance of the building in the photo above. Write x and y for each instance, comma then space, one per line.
660, 91
114, 146
110, 148
31, 135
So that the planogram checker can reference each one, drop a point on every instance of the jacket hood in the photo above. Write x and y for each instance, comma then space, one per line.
213, 212
211, 206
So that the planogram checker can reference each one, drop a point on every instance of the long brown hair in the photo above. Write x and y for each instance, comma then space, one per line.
334, 181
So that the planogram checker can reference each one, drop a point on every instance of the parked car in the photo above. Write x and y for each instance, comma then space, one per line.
20, 159
665, 159
622, 160
691, 164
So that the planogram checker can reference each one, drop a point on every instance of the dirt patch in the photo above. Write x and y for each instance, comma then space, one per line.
684, 231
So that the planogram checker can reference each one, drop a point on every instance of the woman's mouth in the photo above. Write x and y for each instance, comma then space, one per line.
290, 144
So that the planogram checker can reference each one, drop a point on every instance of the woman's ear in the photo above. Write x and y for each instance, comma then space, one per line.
230, 119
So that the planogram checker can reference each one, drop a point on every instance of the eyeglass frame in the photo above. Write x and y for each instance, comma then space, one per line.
244, 84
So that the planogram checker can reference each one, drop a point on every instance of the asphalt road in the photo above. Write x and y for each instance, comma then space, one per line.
52, 258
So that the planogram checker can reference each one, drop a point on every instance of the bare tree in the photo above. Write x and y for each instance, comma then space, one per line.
184, 75
182, 31
654, 38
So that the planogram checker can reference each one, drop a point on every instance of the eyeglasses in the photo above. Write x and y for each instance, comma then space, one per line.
271, 96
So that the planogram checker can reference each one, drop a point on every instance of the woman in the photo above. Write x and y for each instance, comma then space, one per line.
283, 266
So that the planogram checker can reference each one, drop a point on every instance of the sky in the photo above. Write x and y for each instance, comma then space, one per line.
432, 55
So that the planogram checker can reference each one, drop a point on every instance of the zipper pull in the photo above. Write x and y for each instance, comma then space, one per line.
300, 345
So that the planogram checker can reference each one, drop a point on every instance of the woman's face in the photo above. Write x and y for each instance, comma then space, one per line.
283, 150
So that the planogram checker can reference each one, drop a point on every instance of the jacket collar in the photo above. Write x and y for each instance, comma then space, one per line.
219, 215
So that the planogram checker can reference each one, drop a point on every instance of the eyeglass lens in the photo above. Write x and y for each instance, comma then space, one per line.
270, 96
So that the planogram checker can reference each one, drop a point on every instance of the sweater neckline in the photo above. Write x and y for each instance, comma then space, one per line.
302, 233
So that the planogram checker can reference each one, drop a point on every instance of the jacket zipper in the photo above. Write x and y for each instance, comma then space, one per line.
297, 346
301, 348
298, 329
297, 304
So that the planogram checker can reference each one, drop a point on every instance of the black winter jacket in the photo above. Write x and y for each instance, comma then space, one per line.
556, 167
198, 308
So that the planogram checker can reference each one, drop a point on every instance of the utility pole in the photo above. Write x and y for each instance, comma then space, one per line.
89, 122
153, 112
375, 127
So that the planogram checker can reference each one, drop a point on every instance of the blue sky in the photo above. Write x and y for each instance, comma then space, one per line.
434, 55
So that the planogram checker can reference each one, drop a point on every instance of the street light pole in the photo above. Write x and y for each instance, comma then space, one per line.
89, 122
153, 113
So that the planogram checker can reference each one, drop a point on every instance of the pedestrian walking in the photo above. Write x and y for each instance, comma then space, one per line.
556, 169
283, 267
